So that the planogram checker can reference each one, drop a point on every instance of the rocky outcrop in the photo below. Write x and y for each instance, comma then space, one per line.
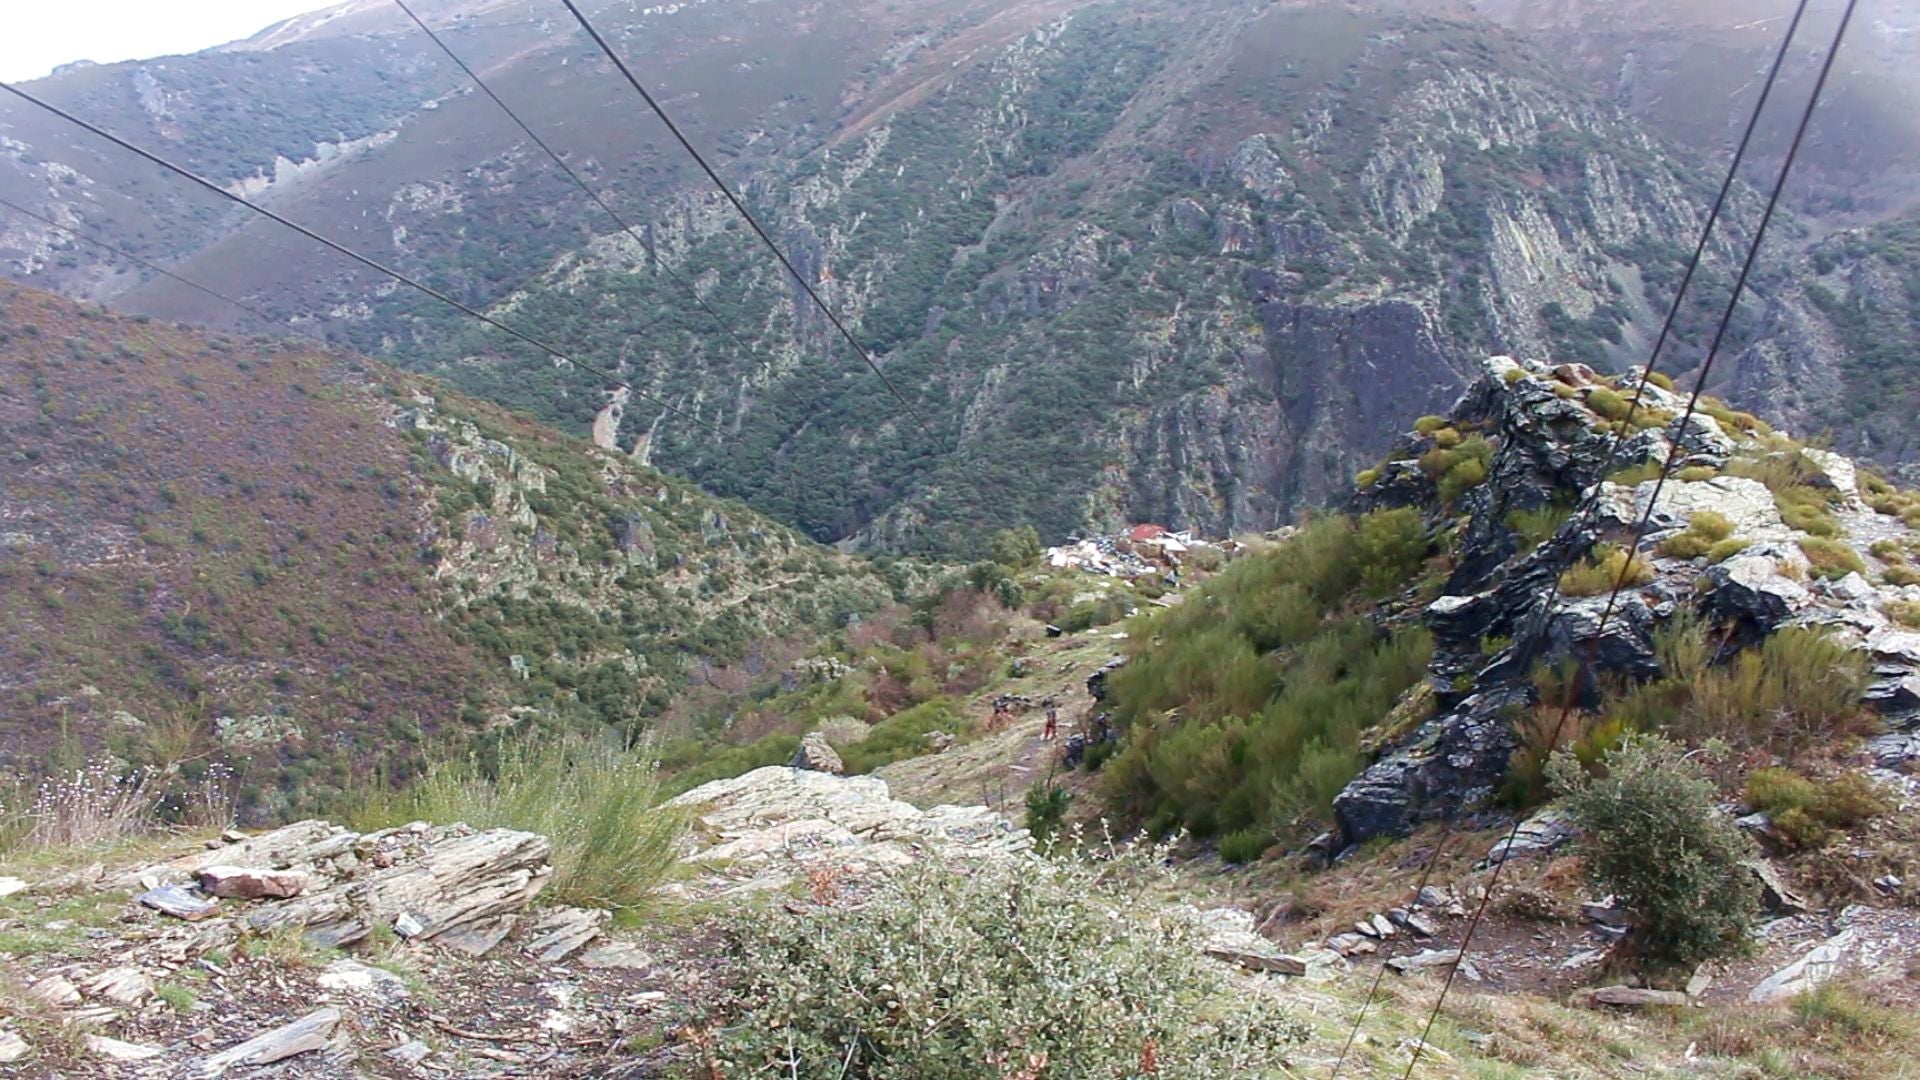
337, 886
817, 755
1503, 613
773, 826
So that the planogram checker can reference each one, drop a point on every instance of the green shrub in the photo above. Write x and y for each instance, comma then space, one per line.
1463, 477
1046, 810
1390, 545
1366, 478
1806, 813
1900, 574
1427, 425
1904, 612
1775, 789
1830, 558
995, 969
1264, 740
1704, 530
1015, 548
1608, 403
1564, 392
1654, 837
903, 735
1798, 688
1538, 525
1693, 474
1513, 375
597, 803
690, 762
1245, 845
1603, 569
1447, 438
1661, 379
1808, 515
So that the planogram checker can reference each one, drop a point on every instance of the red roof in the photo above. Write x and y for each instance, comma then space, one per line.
1145, 532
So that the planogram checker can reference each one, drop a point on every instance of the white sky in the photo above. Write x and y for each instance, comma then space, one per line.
39, 34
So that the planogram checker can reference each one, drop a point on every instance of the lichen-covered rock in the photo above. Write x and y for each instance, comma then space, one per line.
1503, 613
815, 754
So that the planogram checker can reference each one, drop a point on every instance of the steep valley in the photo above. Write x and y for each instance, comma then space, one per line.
1188, 262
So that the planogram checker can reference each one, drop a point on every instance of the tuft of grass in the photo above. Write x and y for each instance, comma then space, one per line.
1427, 425
1538, 525
1366, 478
1513, 375
1693, 474
1635, 475
1705, 530
178, 998
1841, 1009
1901, 574
1727, 549
1831, 559
1608, 403
1607, 566
598, 803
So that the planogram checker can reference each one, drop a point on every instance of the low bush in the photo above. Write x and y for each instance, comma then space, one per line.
1904, 612
995, 969
1046, 810
1607, 567
1608, 403
1654, 837
1366, 478
1805, 812
1830, 558
1427, 425
1694, 474
1797, 688
1513, 375
1538, 525
1245, 845
1661, 379
598, 803
1389, 546
1901, 575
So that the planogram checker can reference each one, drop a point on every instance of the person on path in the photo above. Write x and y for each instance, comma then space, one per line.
1053, 725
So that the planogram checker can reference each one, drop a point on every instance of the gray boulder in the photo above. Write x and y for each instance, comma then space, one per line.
817, 755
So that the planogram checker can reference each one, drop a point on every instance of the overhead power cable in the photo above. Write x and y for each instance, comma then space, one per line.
1535, 639
618, 221
752, 222
363, 260
1666, 470
161, 270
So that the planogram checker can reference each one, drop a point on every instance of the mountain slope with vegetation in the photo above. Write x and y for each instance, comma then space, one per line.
1128, 262
261, 552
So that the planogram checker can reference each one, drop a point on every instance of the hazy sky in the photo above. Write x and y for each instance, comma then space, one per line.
39, 35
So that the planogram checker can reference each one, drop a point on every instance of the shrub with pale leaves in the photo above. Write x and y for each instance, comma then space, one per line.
992, 969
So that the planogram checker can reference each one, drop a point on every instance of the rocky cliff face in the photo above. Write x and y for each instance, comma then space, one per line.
1837, 347
1776, 535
